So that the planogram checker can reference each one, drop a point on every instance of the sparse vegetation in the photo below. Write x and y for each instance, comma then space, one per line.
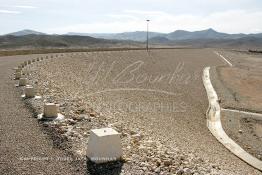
255, 51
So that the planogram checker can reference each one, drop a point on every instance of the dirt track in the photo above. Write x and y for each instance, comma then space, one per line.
184, 128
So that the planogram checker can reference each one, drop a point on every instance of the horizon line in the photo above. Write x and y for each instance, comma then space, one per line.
35, 30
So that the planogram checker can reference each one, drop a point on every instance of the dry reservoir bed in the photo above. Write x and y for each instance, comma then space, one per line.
156, 100
239, 88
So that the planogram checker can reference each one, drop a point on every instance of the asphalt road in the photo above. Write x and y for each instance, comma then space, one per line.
24, 147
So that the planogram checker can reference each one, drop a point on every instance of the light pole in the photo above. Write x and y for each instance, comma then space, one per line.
147, 26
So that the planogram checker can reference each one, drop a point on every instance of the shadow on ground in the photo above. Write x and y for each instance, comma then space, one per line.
111, 168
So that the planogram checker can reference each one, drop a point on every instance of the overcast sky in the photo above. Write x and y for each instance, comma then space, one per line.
104, 16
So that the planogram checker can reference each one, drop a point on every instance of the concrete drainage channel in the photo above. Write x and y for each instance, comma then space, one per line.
215, 126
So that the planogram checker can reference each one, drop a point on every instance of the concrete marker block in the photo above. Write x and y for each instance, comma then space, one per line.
18, 70
29, 92
22, 82
18, 75
104, 145
50, 112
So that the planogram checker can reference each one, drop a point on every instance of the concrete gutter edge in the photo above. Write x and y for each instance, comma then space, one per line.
215, 126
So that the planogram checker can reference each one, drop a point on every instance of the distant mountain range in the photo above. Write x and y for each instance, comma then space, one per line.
177, 35
57, 41
134, 36
203, 38
26, 32
140, 36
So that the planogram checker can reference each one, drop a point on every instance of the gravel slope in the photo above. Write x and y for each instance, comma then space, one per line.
89, 80
20, 135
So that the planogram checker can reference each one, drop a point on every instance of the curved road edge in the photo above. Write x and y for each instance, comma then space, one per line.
215, 126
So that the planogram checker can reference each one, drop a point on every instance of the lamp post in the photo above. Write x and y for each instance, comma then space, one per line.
147, 48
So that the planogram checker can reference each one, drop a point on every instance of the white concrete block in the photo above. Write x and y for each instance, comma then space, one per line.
29, 92
50, 110
22, 81
18, 70
104, 145
18, 75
